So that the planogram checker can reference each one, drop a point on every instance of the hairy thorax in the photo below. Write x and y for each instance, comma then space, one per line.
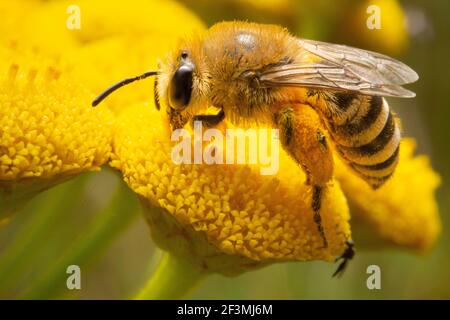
235, 58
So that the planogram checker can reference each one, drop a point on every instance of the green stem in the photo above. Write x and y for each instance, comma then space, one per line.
20, 252
174, 278
14, 195
114, 219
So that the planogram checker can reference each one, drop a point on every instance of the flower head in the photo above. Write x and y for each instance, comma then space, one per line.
375, 25
48, 131
228, 217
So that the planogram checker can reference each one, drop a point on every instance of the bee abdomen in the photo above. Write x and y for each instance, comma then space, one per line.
369, 139
379, 173
360, 120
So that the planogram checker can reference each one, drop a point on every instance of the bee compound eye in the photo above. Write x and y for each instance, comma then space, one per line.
180, 88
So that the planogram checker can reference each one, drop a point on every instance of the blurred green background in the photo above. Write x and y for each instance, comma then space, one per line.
419, 35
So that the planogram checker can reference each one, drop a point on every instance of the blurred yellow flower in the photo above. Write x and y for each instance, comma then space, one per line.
403, 212
392, 36
28, 23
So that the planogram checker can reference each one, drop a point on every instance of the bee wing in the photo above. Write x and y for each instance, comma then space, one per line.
341, 67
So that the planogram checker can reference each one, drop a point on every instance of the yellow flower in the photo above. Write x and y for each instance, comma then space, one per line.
27, 23
49, 74
225, 217
48, 130
403, 212
391, 37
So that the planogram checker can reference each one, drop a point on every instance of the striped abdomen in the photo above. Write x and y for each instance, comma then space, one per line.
366, 135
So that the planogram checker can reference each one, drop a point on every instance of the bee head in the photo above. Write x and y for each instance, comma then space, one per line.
183, 81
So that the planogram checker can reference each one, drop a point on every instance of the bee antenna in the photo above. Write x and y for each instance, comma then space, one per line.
121, 83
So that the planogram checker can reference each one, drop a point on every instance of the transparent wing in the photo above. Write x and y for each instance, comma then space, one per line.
341, 67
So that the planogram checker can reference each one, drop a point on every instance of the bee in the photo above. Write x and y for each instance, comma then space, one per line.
261, 73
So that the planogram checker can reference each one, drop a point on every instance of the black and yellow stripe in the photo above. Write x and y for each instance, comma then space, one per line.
366, 135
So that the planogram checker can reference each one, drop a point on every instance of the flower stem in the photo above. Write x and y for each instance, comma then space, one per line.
114, 219
14, 196
174, 278
25, 246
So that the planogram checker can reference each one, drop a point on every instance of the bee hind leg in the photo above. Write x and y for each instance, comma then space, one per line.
316, 203
348, 254
301, 136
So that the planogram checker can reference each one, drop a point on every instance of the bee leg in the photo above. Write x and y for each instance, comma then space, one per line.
176, 119
316, 202
210, 120
301, 136
348, 254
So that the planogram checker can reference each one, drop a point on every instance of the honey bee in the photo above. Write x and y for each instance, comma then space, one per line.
261, 73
